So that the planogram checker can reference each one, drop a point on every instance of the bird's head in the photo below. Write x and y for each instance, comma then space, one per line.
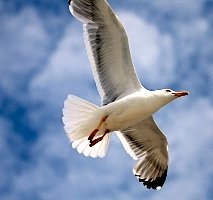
172, 94
167, 95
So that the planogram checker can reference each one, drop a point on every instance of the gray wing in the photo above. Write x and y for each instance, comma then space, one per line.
148, 145
108, 49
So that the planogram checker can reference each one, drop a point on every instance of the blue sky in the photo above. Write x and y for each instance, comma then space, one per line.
43, 59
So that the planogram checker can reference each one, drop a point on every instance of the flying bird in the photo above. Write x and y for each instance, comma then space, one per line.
127, 107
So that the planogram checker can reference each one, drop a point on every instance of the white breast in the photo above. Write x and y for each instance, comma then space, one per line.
128, 111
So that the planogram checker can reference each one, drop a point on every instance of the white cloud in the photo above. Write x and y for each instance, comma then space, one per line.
178, 9
193, 53
23, 46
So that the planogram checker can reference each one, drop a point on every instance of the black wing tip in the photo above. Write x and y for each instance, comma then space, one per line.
69, 2
154, 184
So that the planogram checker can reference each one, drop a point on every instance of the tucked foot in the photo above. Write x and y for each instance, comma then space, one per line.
92, 135
95, 141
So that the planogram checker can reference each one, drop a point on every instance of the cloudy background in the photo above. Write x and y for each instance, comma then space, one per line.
42, 60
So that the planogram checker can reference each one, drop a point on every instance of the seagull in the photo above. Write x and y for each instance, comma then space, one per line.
127, 107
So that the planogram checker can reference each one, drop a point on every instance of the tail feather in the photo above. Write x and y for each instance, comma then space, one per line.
80, 118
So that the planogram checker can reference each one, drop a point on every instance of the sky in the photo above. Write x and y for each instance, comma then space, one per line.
43, 59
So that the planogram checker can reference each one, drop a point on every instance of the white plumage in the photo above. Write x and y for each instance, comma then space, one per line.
127, 107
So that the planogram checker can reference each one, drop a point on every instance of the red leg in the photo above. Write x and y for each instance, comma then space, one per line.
92, 135
95, 141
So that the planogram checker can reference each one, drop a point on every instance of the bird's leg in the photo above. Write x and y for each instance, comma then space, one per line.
95, 141
92, 135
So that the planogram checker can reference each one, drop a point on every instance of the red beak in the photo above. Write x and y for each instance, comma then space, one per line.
181, 93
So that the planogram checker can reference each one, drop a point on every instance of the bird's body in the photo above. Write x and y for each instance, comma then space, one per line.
127, 107
130, 110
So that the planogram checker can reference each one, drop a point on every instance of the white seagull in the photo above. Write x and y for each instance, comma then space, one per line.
127, 107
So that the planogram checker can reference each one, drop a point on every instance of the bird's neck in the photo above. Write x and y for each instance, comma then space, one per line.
159, 101
156, 102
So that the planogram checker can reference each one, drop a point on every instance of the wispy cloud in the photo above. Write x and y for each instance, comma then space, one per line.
23, 47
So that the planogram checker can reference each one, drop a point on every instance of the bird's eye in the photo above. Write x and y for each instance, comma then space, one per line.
168, 90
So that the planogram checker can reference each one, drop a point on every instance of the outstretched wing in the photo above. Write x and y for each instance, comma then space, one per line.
148, 145
108, 49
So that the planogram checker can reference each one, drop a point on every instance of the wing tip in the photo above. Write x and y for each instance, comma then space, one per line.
69, 2
154, 184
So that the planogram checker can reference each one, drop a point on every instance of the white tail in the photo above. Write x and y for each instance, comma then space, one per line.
80, 118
